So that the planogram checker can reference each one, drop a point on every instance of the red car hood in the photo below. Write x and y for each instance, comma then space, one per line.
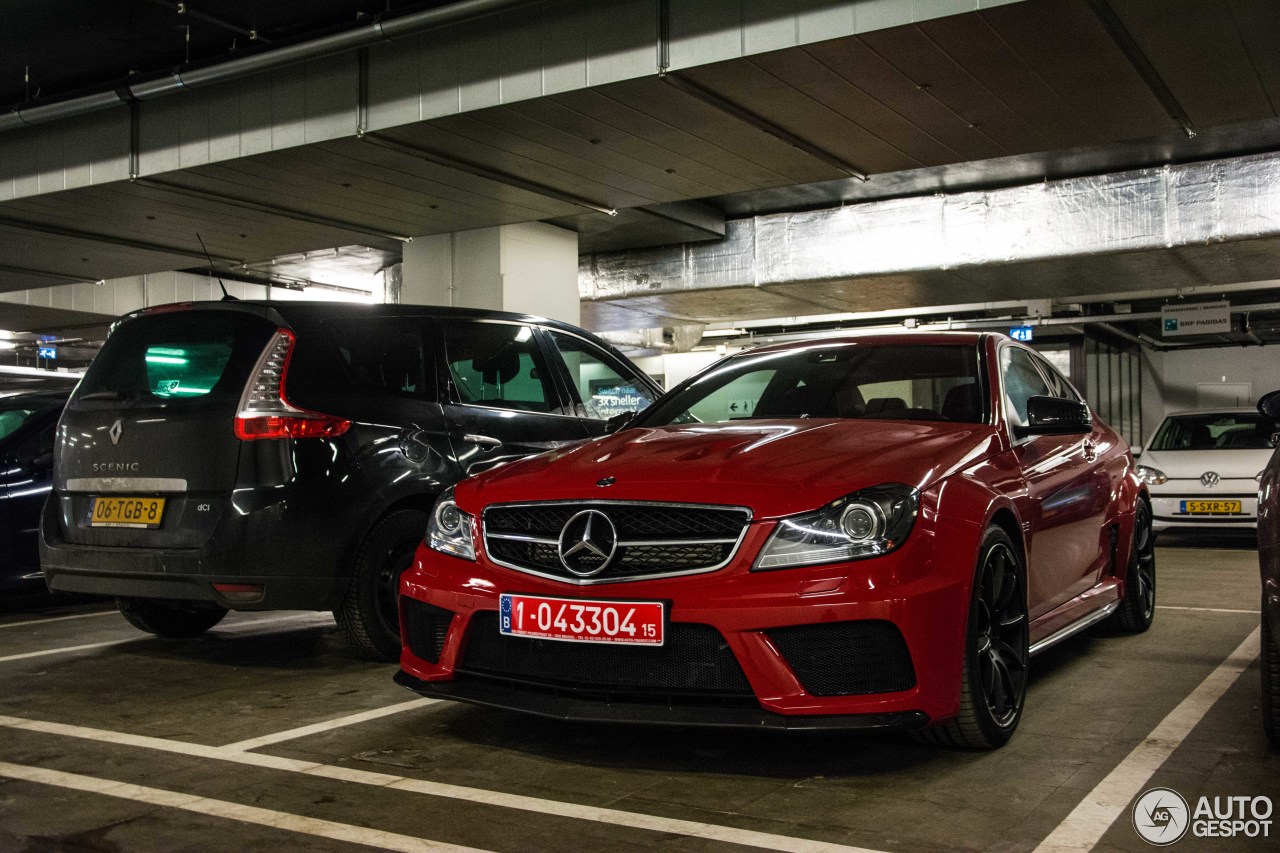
774, 467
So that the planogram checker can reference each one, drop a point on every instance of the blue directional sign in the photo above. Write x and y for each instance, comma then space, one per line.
1021, 333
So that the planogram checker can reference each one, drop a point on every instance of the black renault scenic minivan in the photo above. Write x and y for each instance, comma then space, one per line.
260, 456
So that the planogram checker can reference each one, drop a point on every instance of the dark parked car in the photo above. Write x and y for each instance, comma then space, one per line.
1269, 562
27, 423
255, 456
871, 532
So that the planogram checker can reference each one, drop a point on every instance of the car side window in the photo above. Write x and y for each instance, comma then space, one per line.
1022, 381
498, 365
605, 387
1058, 384
386, 356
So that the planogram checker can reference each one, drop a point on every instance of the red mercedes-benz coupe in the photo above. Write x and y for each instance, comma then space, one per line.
866, 532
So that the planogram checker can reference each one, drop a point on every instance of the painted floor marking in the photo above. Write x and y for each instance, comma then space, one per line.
1090, 820
329, 725
232, 811
59, 619
1205, 609
66, 650
246, 628
613, 817
248, 624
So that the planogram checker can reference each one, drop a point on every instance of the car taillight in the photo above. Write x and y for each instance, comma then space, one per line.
265, 410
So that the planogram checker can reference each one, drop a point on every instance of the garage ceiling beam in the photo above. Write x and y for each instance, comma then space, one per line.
56, 276
75, 234
272, 209
429, 156
380, 30
712, 99
1129, 47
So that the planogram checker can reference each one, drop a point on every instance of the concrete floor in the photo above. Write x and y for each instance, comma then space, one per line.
267, 734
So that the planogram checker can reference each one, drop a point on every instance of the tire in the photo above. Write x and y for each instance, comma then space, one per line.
1138, 607
172, 620
993, 684
1270, 684
370, 610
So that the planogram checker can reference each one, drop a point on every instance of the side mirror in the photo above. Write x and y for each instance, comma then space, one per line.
1055, 416
1269, 405
617, 422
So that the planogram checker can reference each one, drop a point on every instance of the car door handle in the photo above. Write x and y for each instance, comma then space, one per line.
482, 440
1090, 449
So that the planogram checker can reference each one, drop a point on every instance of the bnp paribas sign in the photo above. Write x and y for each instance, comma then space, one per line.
1195, 318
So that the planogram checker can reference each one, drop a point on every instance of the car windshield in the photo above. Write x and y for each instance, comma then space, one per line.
838, 380
1216, 431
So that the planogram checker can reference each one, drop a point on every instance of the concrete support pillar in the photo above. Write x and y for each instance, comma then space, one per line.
531, 267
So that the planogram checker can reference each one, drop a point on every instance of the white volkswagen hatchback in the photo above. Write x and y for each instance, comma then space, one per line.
1203, 468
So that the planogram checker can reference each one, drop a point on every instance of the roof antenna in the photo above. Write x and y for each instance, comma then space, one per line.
226, 297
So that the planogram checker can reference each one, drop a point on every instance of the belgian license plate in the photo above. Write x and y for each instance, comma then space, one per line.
141, 513
581, 620
1211, 507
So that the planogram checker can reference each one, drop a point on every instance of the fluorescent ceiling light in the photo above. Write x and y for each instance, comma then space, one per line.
723, 333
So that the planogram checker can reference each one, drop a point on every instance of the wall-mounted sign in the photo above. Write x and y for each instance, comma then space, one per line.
1022, 333
1201, 318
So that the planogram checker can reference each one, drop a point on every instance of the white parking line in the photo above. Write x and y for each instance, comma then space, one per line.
614, 817
1087, 823
246, 628
316, 728
59, 619
65, 650
232, 811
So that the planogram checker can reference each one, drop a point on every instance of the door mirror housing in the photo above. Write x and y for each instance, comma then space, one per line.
617, 422
1055, 416
1269, 405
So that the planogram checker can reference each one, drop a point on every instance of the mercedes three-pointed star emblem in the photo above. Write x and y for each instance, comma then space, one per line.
588, 542
117, 429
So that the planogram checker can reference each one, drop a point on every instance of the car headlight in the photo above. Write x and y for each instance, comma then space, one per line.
864, 524
1152, 476
449, 530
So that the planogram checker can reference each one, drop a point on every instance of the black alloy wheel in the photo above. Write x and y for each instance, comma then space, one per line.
1001, 626
1138, 607
370, 612
993, 687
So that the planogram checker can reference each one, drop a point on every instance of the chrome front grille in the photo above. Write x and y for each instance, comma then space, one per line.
650, 540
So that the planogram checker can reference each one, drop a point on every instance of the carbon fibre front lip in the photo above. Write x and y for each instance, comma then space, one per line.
563, 705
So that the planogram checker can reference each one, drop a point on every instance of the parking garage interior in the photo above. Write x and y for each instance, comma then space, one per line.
686, 179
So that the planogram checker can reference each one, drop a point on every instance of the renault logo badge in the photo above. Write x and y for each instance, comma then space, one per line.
117, 429
1209, 478
587, 543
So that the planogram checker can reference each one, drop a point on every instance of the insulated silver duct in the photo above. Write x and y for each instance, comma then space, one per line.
366, 36
1194, 204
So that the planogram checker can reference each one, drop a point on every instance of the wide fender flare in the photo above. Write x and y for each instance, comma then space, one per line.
962, 509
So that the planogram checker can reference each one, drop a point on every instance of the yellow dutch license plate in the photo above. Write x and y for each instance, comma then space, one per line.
140, 513
1211, 507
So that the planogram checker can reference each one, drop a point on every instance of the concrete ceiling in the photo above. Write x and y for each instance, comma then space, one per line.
1012, 94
